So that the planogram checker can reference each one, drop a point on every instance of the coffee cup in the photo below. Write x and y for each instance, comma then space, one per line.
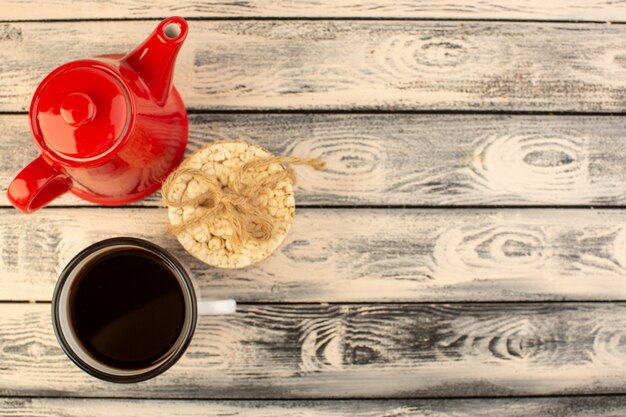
125, 310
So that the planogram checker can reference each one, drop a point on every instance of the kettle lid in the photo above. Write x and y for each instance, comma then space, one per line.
81, 111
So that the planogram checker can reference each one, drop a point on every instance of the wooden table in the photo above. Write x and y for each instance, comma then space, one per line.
464, 254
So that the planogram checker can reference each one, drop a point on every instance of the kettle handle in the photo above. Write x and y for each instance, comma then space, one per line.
36, 185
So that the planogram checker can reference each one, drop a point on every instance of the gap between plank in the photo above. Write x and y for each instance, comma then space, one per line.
369, 207
319, 18
322, 399
374, 111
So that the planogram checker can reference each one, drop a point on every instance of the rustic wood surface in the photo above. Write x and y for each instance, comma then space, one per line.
390, 65
353, 351
522, 407
415, 159
499, 291
603, 10
352, 255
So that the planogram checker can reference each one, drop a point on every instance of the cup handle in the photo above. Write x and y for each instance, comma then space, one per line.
216, 307
36, 185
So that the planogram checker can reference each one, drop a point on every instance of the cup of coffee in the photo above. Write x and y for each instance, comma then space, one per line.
125, 310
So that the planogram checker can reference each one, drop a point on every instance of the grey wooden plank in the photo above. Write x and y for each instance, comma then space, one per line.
294, 64
510, 407
458, 9
417, 159
339, 351
357, 255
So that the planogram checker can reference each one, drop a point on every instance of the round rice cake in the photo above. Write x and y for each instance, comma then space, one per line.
212, 241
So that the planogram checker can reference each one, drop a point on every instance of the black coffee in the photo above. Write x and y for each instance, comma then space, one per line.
127, 308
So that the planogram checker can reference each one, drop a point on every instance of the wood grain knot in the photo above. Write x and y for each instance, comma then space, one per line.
350, 338
609, 341
321, 342
502, 338
608, 66
10, 33
300, 250
406, 59
354, 165
440, 54
488, 252
536, 166
619, 247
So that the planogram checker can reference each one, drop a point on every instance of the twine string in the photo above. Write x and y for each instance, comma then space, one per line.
238, 204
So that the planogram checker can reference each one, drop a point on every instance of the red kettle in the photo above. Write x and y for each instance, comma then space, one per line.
109, 128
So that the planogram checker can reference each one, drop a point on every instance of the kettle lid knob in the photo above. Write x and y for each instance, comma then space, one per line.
77, 109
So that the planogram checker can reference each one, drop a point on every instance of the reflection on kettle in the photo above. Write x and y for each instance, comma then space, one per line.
110, 128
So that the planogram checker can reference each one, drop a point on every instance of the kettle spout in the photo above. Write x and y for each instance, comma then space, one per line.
154, 59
